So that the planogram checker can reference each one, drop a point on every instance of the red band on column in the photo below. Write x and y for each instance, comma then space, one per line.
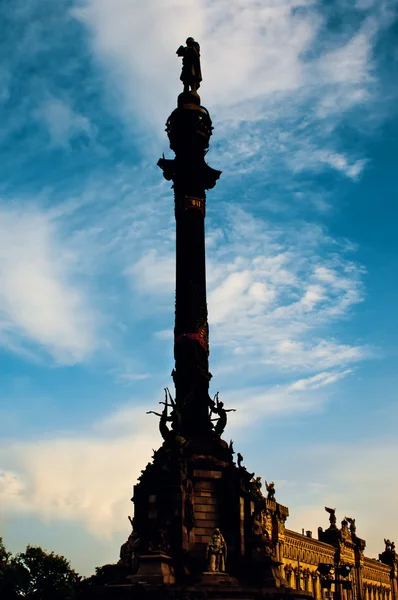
195, 203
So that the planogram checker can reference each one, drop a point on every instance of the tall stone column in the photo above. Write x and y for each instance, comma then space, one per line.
200, 520
189, 129
359, 561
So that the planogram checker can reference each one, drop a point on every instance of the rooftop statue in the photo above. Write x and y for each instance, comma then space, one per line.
390, 546
332, 517
256, 486
270, 487
353, 527
344, 527
191, 74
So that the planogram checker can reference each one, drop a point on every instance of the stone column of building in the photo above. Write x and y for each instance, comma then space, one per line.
390, 557
359, 561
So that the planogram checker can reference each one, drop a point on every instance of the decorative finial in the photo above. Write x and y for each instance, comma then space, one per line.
191, 74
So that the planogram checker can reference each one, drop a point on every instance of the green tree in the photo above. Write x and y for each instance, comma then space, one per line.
50, 575
13, 577
4, 556
36, 575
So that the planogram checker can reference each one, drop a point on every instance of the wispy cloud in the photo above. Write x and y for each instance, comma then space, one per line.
273, 292
63, 123
277, 80
95, 491
255, 404
86, 478
41, 300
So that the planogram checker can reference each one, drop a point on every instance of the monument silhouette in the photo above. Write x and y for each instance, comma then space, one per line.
202, 526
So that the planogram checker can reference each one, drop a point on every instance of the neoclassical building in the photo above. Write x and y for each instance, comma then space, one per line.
340, 547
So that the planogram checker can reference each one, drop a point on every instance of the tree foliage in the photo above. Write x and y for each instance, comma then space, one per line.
36, 575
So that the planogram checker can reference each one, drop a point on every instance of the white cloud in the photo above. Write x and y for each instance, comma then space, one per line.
11, 490
309, 158
341, 163
41, 299
84, 480
238, 292
137, 42
276, 81
257, 49
317, 381
270, 300
62, 122
349, 63
300, 396
153, 272
324, 354
87, 478
129, 376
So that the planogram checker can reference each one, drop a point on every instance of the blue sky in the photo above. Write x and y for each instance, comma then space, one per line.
301, 255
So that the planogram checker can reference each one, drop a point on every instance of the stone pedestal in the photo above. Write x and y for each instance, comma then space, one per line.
155, 569
201, 591
212, 578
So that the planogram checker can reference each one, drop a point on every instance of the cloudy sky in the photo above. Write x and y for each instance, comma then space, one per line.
302, 255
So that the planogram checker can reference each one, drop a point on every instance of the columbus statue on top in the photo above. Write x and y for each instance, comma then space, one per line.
191, 74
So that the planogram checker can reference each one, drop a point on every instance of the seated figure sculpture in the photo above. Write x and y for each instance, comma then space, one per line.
216, 552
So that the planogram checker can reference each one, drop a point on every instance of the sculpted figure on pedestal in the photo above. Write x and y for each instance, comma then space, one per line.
216, 552
265, 564
174, 418
261, 541
256, 486
344, 528
267, 522
270, 487
191, 74
217, 407
353, 527
390, 546
128, 550
332, 516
